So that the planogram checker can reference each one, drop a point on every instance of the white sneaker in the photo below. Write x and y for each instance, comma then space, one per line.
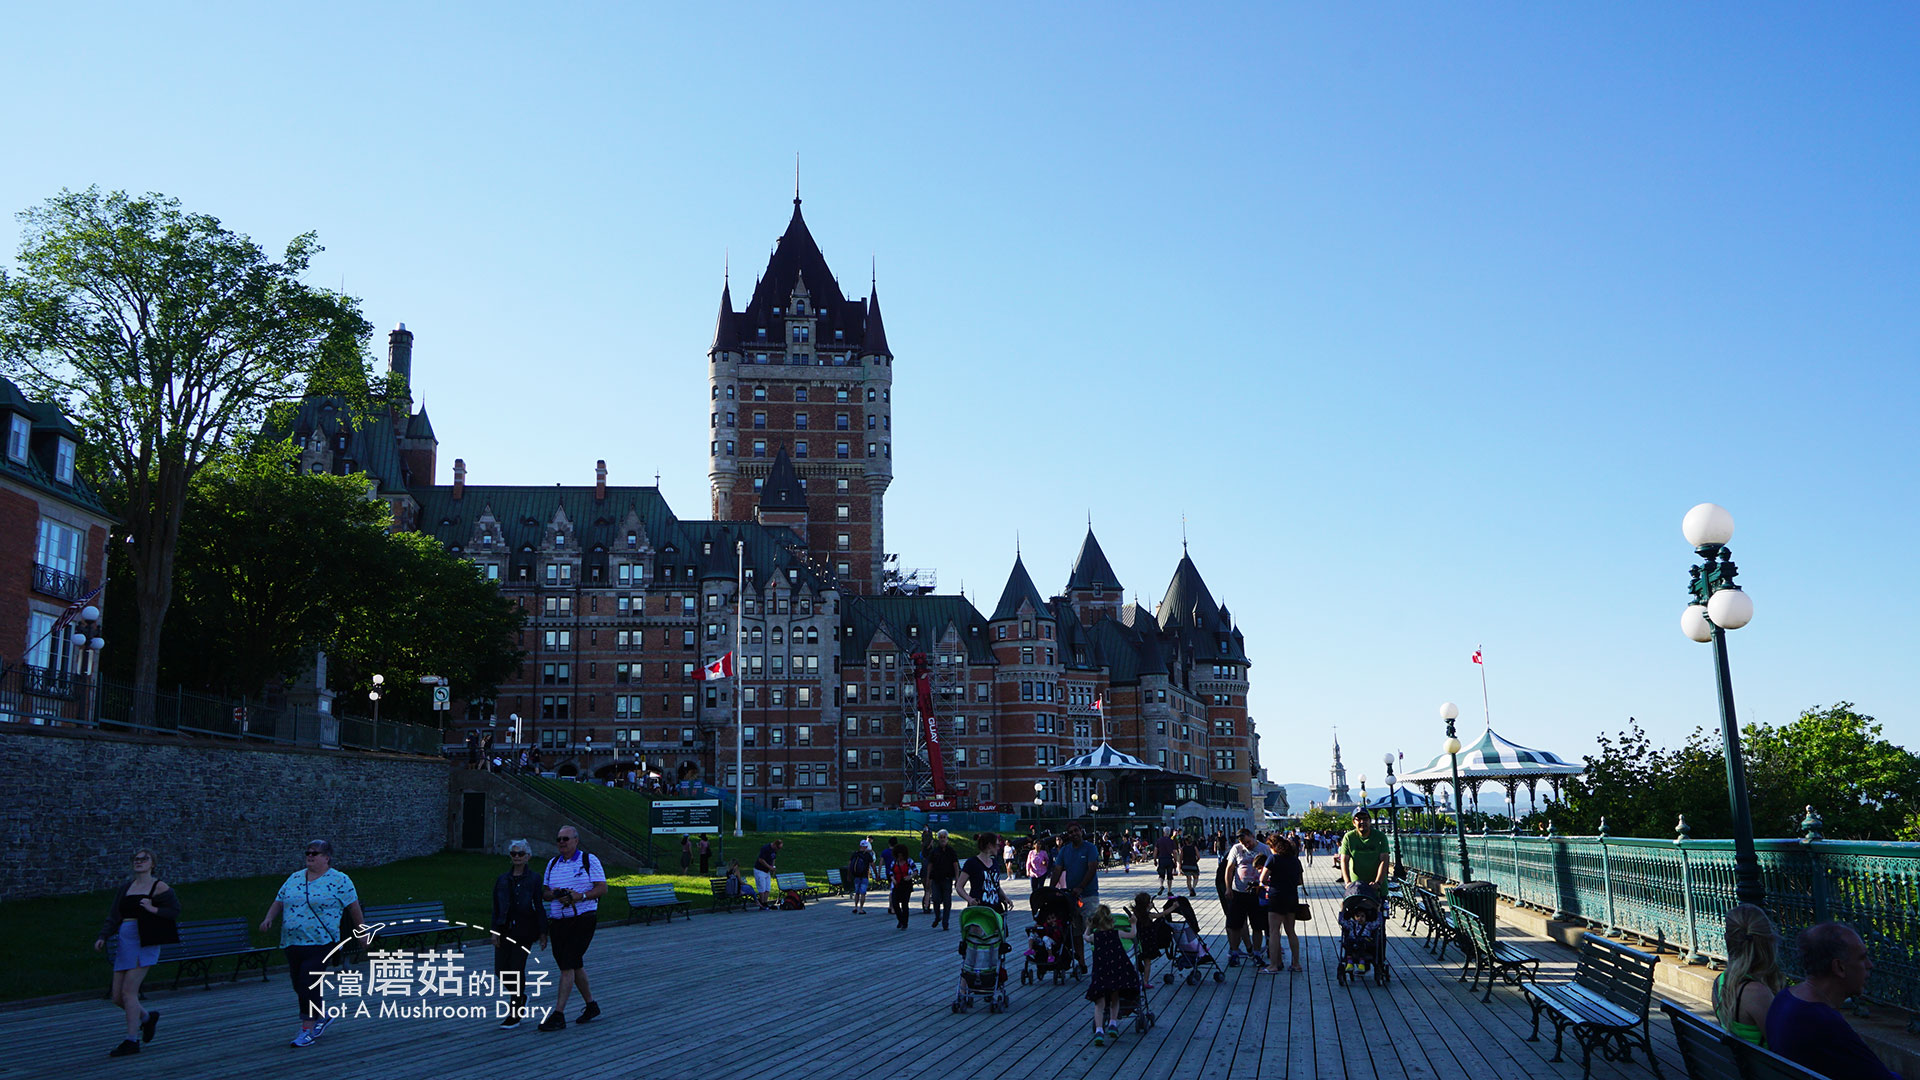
305, 1038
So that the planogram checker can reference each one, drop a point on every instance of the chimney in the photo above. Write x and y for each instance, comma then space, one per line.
459, 478
600, 480
400, 355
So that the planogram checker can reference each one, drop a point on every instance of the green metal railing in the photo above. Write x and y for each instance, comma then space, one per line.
1678, 891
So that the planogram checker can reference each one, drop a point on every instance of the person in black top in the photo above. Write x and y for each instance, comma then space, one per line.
519, 920
143, 917
979, 881
941, 864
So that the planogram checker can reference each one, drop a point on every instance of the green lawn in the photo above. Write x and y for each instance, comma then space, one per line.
65, 926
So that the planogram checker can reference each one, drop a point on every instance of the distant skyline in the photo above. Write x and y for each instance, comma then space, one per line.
1432, 323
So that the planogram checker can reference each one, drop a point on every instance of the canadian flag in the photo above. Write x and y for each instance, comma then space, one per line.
1476, 657
719, 669
1096, 705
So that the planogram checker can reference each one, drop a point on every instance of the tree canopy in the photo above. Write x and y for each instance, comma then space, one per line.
1832, 759
277, 565
167, 337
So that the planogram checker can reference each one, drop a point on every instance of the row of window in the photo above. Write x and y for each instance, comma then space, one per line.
801, 449
801, 421
841, 395
20, 438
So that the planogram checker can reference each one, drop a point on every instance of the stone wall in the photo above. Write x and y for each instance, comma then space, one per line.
80, 801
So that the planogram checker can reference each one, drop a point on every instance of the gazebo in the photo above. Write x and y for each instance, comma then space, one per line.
1498, 760
1103, 762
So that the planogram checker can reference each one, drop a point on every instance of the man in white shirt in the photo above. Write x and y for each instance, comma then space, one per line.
572, 885
1244, 919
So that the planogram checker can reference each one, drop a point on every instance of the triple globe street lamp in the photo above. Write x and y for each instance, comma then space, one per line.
1451, 712
1718, 605
373, 695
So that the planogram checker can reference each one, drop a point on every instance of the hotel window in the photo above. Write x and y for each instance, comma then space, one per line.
800, 421
63, 461
18, 433
842, 450
760, 420
800, 449
759, 393
876, 758
759, 448
843, 542
803, 735
799, 393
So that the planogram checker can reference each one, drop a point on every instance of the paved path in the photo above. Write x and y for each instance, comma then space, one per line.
824, 993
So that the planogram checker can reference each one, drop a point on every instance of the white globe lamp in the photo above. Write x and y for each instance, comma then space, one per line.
1707, 525
1693, 622
1730, 609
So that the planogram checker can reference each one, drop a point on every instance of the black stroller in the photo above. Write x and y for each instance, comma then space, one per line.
1052, 937
1363, 936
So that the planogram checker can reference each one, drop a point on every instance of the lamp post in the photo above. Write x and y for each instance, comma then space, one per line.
1451, 712
1039, 797
86, 637
1718, 605
373, 695
1393, 809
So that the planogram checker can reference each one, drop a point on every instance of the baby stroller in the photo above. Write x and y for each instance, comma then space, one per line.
1188, 953
1132, 1003
1363, 935
1051, 938
983, 969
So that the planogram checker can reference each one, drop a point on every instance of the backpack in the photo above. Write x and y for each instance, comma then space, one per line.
791, 901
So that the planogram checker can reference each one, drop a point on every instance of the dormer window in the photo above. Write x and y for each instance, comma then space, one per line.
761, 332
839, 335
776, 311
633, 540
486, 539
17, 437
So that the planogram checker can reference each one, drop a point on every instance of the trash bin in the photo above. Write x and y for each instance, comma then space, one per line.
1477, 897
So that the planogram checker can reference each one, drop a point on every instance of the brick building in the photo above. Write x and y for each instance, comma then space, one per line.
627, 602
53, 550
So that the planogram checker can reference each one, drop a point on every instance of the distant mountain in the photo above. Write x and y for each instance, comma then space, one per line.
1300, 795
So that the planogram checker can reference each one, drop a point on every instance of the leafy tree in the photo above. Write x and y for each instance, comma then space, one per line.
1320, 819
269, 559
1832, 759
422, 610
276, 565
167, 337
1835, 760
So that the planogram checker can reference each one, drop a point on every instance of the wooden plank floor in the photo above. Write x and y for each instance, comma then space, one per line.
823, 992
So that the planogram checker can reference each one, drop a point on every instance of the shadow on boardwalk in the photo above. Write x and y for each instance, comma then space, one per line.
821, 993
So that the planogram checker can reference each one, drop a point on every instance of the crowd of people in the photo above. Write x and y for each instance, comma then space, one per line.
1259, 879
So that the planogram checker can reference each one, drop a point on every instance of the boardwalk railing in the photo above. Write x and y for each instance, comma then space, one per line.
1678, 891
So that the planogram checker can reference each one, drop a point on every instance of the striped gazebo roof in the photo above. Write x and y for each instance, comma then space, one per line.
1104, 759
1496, 758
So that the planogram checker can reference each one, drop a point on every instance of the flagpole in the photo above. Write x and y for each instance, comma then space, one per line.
1485, 708
739, 711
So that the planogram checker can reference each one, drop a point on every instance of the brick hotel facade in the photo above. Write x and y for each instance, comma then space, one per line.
627, 602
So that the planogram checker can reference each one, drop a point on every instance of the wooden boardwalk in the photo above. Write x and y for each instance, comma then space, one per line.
824, 993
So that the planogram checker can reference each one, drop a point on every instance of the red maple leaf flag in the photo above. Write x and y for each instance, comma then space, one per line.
1096, 704
1476, 657
719, 669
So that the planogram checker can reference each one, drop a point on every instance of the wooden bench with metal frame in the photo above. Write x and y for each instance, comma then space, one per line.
1490, 956
1604, 1005
1713, 1053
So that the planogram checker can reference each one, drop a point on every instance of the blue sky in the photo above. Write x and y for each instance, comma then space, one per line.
1431, 321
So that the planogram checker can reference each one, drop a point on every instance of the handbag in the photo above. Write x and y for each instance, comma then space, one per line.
1303, 913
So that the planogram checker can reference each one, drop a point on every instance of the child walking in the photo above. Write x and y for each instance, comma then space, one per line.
1113, 974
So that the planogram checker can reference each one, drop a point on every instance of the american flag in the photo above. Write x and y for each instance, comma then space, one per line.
74, 609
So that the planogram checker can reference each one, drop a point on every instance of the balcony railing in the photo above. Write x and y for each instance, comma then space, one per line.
58, 583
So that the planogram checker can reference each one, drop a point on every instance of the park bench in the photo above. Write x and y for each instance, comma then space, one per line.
1413, 910
408, 922
836, 886
204, 941
1605, 1005
724, 900
1489, 955
1712, 1053
797, 882
645, 901
1440, 929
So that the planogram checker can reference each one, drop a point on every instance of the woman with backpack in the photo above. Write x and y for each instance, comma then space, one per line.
900, 872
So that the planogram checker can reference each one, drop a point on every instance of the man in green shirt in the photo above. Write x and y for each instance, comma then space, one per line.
1364, 853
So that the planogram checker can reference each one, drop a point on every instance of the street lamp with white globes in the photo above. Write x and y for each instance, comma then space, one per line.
373, 695
1451, 712
86, 638
1719, 605
1039, 796
1393, 808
